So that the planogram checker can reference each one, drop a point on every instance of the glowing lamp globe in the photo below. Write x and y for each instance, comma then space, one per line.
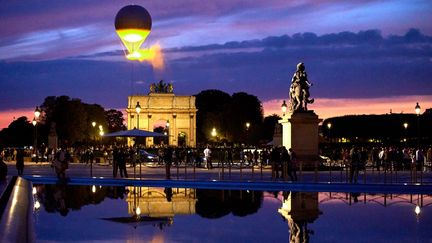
133, 24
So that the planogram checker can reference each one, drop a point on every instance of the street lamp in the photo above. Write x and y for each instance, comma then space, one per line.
417, 111
94, 127
34, 122
213, 132
138, 110
247, 131
167, 128
405, 125
284, 107
37, 113
329, 125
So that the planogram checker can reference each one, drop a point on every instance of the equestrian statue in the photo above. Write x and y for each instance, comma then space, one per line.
299, 90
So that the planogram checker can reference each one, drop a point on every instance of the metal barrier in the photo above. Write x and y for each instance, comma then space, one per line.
240, 169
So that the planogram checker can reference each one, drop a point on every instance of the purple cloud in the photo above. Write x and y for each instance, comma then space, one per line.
37, 29
341, 65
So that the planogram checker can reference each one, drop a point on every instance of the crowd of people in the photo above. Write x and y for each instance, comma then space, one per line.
283, 161
389, 158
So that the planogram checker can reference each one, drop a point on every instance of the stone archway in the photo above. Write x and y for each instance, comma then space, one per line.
182, 139
178, 111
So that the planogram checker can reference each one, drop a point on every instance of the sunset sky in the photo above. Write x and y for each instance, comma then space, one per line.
363, 57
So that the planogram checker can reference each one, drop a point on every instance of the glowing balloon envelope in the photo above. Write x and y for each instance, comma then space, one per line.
133, 24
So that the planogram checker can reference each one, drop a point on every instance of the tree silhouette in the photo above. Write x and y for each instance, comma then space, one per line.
18, 134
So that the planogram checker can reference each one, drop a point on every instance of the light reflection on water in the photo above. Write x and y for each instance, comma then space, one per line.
109, 214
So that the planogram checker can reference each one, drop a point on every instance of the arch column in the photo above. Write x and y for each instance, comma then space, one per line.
192, 129
174, 128
149, 141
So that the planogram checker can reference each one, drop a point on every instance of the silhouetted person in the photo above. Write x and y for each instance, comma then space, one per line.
122, 163
168, 193
168, 161
61, 163
292, 165
285, 158
60, 199
20, 161
355, 196
207, 156
275, 161
355, 164
115, 163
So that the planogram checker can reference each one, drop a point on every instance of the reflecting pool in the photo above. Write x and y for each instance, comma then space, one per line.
148, 214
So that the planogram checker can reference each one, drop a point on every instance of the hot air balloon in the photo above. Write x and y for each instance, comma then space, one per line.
133, 24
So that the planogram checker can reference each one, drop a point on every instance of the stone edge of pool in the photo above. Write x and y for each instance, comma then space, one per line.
245, 185
16, 212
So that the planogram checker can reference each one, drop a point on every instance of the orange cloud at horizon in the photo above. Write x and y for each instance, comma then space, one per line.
326, 107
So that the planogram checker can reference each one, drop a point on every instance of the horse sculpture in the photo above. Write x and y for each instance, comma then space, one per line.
299, 98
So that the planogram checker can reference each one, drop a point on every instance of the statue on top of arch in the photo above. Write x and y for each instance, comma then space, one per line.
161, 87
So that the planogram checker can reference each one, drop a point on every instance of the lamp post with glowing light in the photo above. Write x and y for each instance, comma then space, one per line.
101, 132
34, 122
405, 125
213, 133
138, 110
94, 132
37, 113
329, 125
247, 131
167, 131
417, 111
284, 108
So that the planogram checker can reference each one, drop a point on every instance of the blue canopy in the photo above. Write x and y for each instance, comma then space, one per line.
134, 133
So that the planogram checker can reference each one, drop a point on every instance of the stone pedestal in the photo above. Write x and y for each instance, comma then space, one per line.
300, 132
52, 137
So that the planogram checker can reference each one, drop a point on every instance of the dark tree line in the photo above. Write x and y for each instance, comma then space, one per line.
387, 128
229, 114
18, 134
71, 118
73, 121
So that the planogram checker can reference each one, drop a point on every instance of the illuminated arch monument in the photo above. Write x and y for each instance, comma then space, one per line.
162, 105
